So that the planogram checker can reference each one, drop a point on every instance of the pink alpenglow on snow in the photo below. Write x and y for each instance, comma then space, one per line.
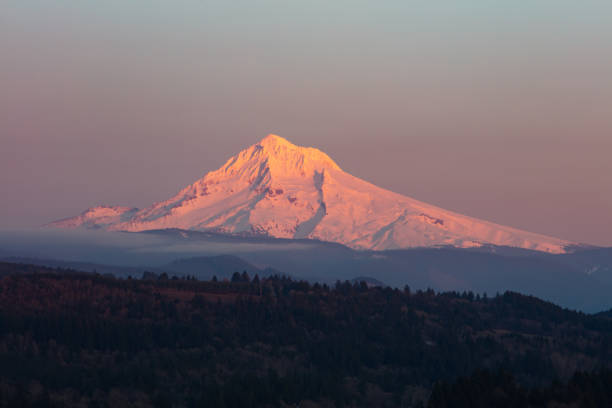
278, 189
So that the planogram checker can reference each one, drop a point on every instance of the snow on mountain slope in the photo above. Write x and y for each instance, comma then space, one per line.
282, 190
97, 217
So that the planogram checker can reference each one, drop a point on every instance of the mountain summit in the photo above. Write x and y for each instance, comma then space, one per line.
278, 189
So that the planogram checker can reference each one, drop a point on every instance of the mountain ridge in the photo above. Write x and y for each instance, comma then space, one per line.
282, 190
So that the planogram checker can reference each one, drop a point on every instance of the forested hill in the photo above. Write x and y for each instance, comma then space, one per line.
74, 339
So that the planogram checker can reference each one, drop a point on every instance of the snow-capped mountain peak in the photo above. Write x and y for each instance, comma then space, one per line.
282, 190
280, 157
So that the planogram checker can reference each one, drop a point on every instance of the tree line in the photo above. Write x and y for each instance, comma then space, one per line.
76, 339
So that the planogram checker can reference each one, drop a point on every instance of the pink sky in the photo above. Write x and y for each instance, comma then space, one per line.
498, 113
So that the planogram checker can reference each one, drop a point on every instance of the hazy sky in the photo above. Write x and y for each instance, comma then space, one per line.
499, 110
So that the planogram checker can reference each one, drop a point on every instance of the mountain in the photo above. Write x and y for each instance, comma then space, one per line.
275, 188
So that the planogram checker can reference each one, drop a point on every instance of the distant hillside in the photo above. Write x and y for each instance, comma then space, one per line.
581, 280
221, 266
118, 271
204, 268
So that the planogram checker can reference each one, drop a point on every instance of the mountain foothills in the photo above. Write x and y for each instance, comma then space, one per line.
275, 188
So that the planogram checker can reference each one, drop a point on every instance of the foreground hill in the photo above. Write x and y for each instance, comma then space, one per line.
73, 339
278, 189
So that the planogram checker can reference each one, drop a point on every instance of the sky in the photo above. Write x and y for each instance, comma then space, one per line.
497, 110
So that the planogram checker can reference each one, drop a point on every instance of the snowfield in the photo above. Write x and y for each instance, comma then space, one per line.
282, 190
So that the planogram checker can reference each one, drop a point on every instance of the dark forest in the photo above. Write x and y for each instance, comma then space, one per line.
85, 340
